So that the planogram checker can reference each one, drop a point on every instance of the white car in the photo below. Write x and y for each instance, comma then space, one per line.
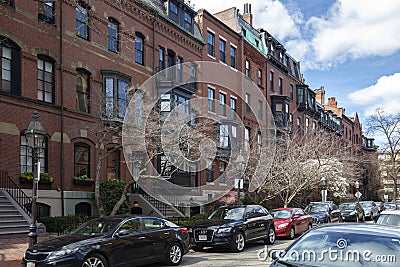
389, 217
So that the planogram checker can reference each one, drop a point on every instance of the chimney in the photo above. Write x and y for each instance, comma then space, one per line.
320, 97
332, 102
247, 16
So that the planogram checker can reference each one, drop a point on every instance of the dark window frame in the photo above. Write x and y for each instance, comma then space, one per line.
10, 63
81, 167
222, 50
115, 98
113, 38
211, 100
139, 48
82, 95
46, 12
43, 79
211, 43
232, 52
26, 155
271, 80
82, 20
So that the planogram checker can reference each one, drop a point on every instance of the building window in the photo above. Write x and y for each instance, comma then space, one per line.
113, 31
224, 136
260, 109
244, 32
247, 100
307, 125
233, 108
83, 209
116, 94
272, 49
291, 92
26, 156
182, 103
113, 164
259, 142
247, 68
222, 168
222, 50
82, 20
222, 104
10, 66
83, 91
81, 160
173, 12
179, 68
45, 80
298, 123
8, 2
139, 49
260, 77
247, 139
46, 12
161, 58
233, 57
138, 102
211, 43
211, 97
314, 127
271, 80
210, 173
280, 82
188, 22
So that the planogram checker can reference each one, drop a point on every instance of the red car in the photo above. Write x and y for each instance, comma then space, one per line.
291, 221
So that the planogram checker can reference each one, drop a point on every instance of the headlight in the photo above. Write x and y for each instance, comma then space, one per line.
282, 225
353, 213
61, 253
224, 230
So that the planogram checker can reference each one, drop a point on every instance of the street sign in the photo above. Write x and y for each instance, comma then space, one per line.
239, 183
358, 194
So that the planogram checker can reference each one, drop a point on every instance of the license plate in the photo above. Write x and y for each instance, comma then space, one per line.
30, 264
203, 237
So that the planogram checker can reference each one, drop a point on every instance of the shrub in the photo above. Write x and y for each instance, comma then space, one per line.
63, 224
110, 193
43, 176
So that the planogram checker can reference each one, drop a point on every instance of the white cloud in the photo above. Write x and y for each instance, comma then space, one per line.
385, 94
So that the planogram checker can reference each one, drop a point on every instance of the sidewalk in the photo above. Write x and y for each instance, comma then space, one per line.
12, 249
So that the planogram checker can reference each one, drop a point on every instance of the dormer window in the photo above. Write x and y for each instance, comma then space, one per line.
272, 50
181, 15
173, 12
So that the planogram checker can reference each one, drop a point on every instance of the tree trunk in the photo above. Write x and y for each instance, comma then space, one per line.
122, 199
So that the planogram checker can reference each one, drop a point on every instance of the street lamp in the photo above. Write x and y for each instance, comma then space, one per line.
324, 191
35, 136
240, 165
358, 194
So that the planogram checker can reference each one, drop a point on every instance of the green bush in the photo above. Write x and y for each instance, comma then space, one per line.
187, 222
63, 224
43, 176
110, 193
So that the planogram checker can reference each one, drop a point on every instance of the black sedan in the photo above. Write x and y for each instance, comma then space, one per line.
113, 241
342, 245
232, 227
324, 212
352, 211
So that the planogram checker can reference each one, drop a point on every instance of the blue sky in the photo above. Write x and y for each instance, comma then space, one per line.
351, 47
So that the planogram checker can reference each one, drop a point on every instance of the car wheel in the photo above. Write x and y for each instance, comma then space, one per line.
197, 248
291, 233
174, 254
95, 260
271, 236
238, 242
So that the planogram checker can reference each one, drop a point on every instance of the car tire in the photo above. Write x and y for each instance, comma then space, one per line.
238, 242
174, 254
271, 236
95, 260
292, 233
197, 248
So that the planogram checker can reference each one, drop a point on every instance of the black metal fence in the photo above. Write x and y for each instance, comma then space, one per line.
7, 184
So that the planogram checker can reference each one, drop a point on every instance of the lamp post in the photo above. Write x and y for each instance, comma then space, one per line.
358, 194
35, 136
324, 191
240, 161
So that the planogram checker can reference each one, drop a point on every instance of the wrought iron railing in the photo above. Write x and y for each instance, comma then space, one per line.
7, 184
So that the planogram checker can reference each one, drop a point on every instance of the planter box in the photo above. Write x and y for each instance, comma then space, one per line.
83, 182
30, 181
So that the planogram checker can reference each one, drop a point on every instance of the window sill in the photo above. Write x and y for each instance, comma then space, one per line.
210, 183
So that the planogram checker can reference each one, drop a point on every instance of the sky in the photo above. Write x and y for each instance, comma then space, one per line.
350, 47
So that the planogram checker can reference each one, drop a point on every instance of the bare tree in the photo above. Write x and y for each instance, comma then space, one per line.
388, 125
302, 160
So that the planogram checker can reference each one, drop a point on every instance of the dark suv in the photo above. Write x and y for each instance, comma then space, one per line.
324, 212
232, 227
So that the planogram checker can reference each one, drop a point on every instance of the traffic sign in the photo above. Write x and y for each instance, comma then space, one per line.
358, 194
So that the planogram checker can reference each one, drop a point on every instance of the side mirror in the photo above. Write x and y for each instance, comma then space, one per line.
122, 232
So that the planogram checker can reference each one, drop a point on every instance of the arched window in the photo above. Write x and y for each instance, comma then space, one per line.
43, 210
139, 49
83, 90
45, 79
10, 57
113, 35
81, 160
83, 208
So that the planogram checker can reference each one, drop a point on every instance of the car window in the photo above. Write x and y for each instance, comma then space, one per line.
391, 219
132, 226
281, 214
334, 207
96, 227
259, 211
227, 214
153, 223
300, 212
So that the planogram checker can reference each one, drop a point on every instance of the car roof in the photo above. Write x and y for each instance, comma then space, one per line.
395, 212
286, 209
374, 229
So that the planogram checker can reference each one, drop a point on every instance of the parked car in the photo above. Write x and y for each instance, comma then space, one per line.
371, 209
291, 221
342, 245
390, 217
352, 211
233, 227
113, 241
390, 205
324, 212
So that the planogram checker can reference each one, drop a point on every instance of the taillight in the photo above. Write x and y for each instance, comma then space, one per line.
184, 229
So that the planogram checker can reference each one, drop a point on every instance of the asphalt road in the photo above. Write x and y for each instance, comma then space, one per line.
220, 257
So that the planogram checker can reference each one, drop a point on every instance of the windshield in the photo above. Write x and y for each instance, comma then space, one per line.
342, 249
227, 214
317, 208
366, 204
281, 214
391, 219
347, 206
96, 227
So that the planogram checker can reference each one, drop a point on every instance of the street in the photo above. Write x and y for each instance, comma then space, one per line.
220, 257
